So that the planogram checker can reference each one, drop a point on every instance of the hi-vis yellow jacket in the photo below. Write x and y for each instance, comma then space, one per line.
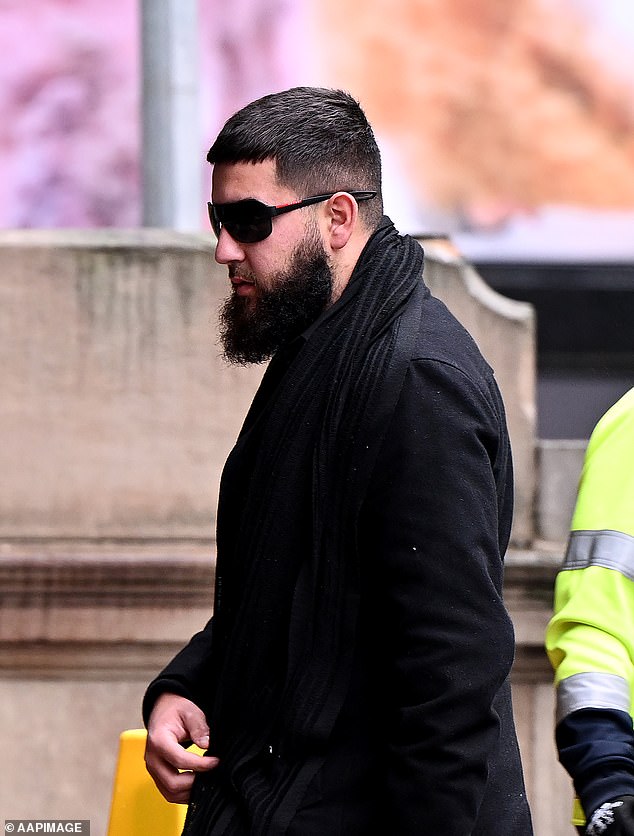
590, 638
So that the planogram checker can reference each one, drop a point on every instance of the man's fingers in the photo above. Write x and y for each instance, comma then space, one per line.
163, 745
193, 762
174, 720
180, 717
174, 783
174, 786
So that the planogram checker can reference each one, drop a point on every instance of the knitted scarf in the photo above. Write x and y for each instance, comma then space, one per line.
283, 654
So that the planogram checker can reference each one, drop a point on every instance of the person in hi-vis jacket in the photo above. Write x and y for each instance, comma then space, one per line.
590, 638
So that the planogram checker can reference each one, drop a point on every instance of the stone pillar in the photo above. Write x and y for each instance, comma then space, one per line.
171, 156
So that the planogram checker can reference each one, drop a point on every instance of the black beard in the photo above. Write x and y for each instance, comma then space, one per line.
252, 330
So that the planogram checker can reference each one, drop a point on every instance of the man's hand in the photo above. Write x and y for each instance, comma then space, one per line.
173, 721
614, 818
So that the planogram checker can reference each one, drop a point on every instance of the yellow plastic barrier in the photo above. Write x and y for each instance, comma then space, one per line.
137, 807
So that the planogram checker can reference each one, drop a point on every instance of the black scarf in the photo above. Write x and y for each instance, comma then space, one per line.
283, 651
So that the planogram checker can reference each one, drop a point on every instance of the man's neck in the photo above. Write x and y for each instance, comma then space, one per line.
344, 264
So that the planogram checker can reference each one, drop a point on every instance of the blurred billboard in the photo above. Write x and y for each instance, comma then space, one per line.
508, 125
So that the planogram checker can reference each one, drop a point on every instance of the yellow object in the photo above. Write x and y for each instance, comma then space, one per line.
578, 818
137, 807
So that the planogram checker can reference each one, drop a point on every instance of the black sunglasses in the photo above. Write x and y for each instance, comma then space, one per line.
249, 221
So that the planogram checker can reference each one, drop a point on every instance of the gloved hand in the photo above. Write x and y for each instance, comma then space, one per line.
614, 818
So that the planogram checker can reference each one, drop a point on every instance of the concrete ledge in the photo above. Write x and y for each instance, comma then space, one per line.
72, 574
95, 240
95, 609
100, 610
102, 661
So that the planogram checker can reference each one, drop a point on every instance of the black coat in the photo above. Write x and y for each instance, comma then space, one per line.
425, 742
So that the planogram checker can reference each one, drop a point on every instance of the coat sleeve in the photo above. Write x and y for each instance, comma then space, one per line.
590, 642
186, 674
438, 520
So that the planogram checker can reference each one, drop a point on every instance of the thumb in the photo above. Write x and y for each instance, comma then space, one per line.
196, 726
201, 739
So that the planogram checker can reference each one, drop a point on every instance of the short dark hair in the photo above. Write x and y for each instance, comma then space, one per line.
320, 140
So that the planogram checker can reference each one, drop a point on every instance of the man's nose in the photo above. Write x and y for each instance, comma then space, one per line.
228, 249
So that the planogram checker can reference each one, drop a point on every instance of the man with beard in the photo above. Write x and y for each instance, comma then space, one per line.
354, 676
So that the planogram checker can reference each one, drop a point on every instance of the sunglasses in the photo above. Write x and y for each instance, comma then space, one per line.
249, 221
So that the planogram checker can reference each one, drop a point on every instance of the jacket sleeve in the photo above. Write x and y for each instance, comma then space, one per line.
590, 642
596, 748
439, 517
186, 674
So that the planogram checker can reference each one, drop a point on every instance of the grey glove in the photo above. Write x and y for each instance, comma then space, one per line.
614, 818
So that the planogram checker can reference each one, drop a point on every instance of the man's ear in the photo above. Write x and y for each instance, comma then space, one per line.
343, 215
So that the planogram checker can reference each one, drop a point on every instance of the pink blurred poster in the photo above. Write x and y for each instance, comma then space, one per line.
509, 126
69, 113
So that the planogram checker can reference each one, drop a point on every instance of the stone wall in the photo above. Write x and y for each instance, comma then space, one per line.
119, 409
116, 416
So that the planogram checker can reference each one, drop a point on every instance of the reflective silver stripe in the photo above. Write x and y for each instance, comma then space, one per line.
592, 690
609, 549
